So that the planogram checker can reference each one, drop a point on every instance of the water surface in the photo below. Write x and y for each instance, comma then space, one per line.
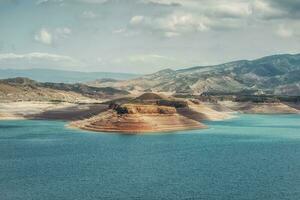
249, 157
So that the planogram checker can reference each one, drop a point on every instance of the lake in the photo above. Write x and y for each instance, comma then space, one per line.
248, 157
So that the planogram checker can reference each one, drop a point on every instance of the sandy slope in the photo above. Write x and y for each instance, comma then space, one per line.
260, 108
19, 110
209, 113
49, 110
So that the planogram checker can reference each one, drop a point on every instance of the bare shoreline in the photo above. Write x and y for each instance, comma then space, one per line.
49, 110
98, 118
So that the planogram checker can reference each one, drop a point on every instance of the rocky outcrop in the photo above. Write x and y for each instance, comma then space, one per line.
144, 109
151, 113
135, 118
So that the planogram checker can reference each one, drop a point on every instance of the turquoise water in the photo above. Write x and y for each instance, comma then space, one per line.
249, 157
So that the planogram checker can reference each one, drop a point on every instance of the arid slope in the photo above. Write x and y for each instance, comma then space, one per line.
151, 113
139, 119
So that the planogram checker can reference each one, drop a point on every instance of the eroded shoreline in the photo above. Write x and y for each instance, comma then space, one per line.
141, 119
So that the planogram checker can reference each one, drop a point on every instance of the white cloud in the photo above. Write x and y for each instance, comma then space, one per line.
171, 34
40, 2
62, 32
154, 60
37, 59
232, 10
262, 8
148, 62
47, 36
184, 22
169, 2
93, 1
284, 32
289, 30
118, 31
136, 20
43, 36
99, 60
147, 58
171, 25
207, 15
89, 14
34, 55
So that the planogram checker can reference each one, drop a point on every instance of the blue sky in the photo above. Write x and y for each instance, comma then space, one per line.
143, 36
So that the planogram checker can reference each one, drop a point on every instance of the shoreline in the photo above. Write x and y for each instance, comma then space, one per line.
138, 124
98, 118
145, 132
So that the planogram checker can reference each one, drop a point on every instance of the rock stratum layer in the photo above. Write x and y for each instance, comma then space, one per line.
134, 118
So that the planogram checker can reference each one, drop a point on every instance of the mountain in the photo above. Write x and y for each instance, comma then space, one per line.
24, 89
60, 76
277, 74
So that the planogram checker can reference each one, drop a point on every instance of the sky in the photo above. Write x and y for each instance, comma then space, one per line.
143, 36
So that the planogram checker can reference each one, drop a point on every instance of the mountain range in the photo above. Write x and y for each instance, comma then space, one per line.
62, 76
274, 75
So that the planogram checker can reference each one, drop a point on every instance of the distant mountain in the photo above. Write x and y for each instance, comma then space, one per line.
24, 89
60, 76
277, 74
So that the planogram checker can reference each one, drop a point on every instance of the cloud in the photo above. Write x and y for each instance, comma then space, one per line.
290, 7
89, 14
147, 58
93, 1
118, 31
231, 10
37, 59
289, 30
284, 32
162, 2
171, 34
264, 10
47, 36
41, 2
193, 16
175, 24
137, 20
34, 55
147, 63
43, 36
62, 32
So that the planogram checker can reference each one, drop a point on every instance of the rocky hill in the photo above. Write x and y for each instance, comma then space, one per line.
151, 113
278, 74
24, 89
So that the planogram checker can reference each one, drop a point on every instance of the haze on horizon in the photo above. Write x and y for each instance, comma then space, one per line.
143, 36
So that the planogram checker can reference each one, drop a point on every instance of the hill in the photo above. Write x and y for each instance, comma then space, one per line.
276, 75
24, 89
